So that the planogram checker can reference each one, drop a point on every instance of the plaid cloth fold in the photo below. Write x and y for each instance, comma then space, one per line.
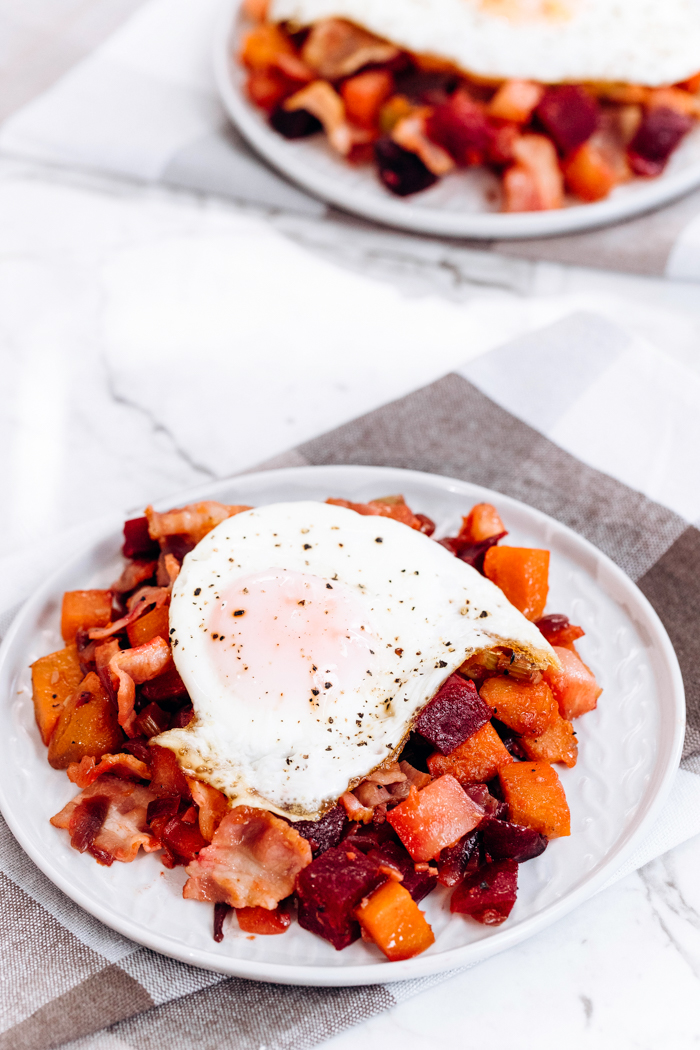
143, 105
561, 419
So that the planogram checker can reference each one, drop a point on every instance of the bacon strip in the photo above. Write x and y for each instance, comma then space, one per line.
137, 605
355, 809
213, 806
195, 520
336, 48
124, 829
253, 861
397, 511
87, 771
133, 666
135, 572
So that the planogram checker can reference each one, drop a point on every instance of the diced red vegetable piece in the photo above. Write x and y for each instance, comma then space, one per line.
182, 717
152, 720
488, 895
399, 170
453, 861
330, 888
574, 687
454, 714
434, 817
263, 921
324, 833
558, 630
167, 777
569, 114
527, 707
392, 919
267, 88
367, 837
523, 576
137, 540
658, 135
536, 798
461, 127
221, 910
480, 794
418, 883
165, 686
477, 760
183, 839
427, 525
506, 841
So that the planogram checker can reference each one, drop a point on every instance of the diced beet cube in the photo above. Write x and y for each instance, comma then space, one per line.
657, 137
295, 123
569, 114
488, 895
137, 542
418, 883
480, 794
505, 841
400, 171
182, 717
323, 833
558, 629
454, 714
452, 862
330, 888
427, 88
471, 553
427, 525
178, 545
138, 747
462, 128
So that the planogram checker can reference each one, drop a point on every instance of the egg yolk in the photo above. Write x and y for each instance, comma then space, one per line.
283, 638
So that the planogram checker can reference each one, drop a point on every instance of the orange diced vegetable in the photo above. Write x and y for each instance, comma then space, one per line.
364, 95
482, 522
153, 624
263, 44
693, 84
263, 920
557, 744
535, 181
54, 678
536, 798
83, 610
515, 100
524, 706
588, 173
87, 725
475, 761
256, 9
391, 918
267, 88
575, 688
523, 576
434, 817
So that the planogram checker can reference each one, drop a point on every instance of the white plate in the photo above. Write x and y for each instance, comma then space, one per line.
629, 750
464, 204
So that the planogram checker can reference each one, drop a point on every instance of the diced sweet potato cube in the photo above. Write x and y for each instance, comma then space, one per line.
523, 576
263, 921
588, 173
526, 707
515, 100
54, 678
454, 714
557, 744
87, 725
434, 817
151, 625
393, 920
488, 895
574, 686
84, 609
365, 94
536, 798
477, 760
481, 523
262, 45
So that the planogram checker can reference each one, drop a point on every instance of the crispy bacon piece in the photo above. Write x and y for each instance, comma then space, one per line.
87, 771
195, 520
388, 774
133, 666
355, 809
390, 507
124, 828
213, 806
138, 603
336, 48
411, 134
324, 103
135, 572
85, 824
253, 861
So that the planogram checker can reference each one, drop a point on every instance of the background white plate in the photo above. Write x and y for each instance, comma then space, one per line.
629, 750
464, 204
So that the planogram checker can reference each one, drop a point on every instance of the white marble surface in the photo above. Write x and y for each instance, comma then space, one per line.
146, 345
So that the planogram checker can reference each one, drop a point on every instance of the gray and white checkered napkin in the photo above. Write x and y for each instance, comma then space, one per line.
596, 429
142, 104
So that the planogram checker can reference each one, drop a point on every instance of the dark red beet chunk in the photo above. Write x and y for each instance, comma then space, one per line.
330, 888
137, 542
367, 837
165, 686
428, 88
324, 833
569, 114
454, 714
400, 171
657, 136
418, 883
427, 525
138, 747
488, 894
505, 841
452, 862
510, 738
462, 128
471, 553
181, 840
221, 910
152, 720
295, 123
480, 794
182, 717
558, 630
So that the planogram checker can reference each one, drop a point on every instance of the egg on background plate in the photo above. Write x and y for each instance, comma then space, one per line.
650, 42
309, 638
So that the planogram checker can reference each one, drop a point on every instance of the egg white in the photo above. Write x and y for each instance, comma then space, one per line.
651, 42
423, 611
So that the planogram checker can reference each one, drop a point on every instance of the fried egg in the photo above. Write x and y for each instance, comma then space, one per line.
309, 638
651, 42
